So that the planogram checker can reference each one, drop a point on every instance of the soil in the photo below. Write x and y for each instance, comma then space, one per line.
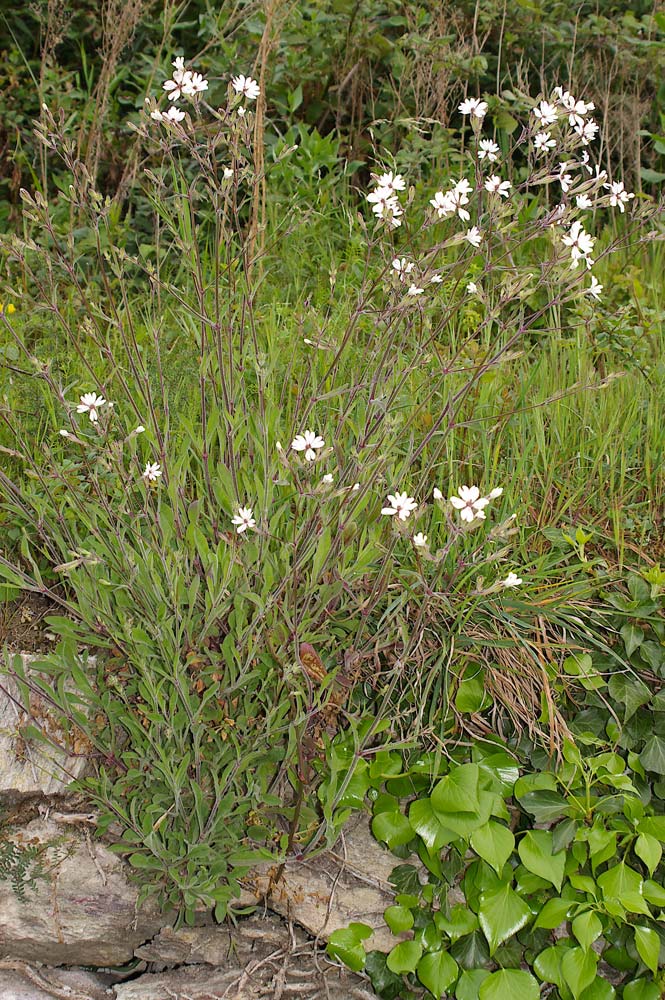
23, 627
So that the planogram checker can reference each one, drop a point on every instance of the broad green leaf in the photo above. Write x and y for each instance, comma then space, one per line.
630, 691
494, 843
587, 928
535, 851
652, 756
346, 945
398, 918
619, 880
649, 851
600, 989
553, 913
641, 989
471, 695
404, 957
653, 825
469, 983
633, 637
501, 914
461, 921
393, 828
647, 943
579, 969
457, 792
545, 805
428, 826
654, 892
509, 984
547, 965
437, 971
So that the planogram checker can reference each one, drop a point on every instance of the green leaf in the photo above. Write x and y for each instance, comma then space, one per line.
471, 695
654, 892
647, 943
641, 989
544, 805
457, 792
404, 957
494, 843
535, 851
501, 914
393, 828
553, 913
587, 928
547, 965
469, 983
428, 826
461, 922
504, 120
654, 825
650, 176
437, 971
653, 755
346, 945
630, 691
398, 918
579, 969
509, 984
600, 989
633, 637
649, 851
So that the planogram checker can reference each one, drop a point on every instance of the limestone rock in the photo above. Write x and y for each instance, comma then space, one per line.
21, 981
78, 906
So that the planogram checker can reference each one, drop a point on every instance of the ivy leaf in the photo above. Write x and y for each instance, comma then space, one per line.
600, 989
502, 913
469, 983
461, 922
404, 957
437, 971
545, 805
494, 843
508, 984
393, 828
653, 755
547, 965
633, 637
428, 826
649, 851
346, 944
553, 913
630, 691
579, 969
457, 792
398, 918
535, 851
641, 989
647, 943
586, 928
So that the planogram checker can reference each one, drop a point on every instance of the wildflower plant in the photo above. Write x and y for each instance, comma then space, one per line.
199, 557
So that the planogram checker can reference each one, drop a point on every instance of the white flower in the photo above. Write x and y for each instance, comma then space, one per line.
583, 201
580, 243
469, 503
542, 142
140, 429
495, 185
545, 113
386, 206
90, 404
443, 203
619, 197
327, 479
472, 288
488, 149
415, 290
473, 106
496, 492
473, 236
420, 540
401, 504
587, 131
436, 279
595, 288
394, 182
243, 519
512, 580
437, 494
63, 433
402, 266
576, 109
565, 179
246, 86
308, 442
228, 173
152, 472
241, 111
172, 115
194, 84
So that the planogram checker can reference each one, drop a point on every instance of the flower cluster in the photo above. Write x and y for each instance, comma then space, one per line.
184, 82
384, 198
246, 86
470, 504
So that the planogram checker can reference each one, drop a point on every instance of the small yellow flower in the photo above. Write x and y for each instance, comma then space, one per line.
9, 309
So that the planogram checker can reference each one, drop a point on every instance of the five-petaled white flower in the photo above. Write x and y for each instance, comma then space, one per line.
307, 442
328, 479
246, 86
469, 503
194, 84
473, 236
473, 106
401, 504
152, 472
580, 243
542, 142
495, 185
472, 288
595, 288
587, 131
415, 290
172, 115
243, 519
393, 182
90, 404
420, 540
402, 266
386, 206
583, 201
619, 197
512, 580
488, 149
545, 113
174, 87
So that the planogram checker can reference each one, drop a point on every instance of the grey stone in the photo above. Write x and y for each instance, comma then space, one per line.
21, 981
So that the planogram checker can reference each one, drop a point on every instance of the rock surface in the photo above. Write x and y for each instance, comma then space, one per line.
20, 981
81, 912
